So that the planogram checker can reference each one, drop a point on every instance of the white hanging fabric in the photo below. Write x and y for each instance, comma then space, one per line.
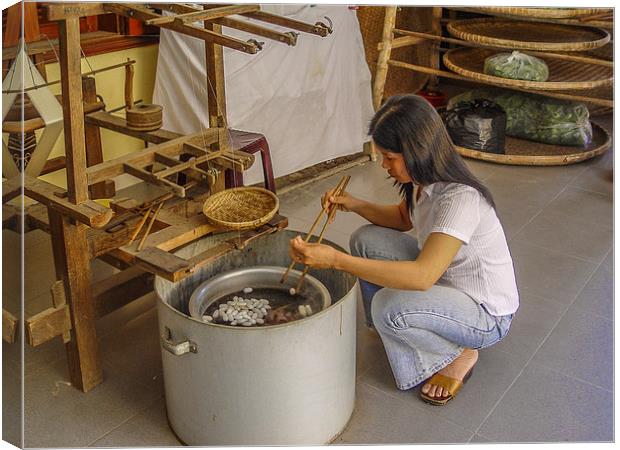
312, 101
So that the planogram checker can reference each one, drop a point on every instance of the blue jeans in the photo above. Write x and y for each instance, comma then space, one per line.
422, 331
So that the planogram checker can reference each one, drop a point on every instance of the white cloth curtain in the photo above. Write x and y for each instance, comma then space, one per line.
311, 101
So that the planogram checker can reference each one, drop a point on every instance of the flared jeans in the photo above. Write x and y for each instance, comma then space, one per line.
422, 331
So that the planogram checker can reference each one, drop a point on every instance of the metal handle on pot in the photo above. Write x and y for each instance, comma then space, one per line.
177, 349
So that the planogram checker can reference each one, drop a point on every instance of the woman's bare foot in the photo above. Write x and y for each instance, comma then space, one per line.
456, 369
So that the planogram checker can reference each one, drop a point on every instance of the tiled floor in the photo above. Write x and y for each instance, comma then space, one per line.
551, 379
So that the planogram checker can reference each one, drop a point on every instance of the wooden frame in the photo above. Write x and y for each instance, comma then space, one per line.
82, 229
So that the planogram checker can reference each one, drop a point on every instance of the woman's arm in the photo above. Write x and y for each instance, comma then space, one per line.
389, 216
419, 275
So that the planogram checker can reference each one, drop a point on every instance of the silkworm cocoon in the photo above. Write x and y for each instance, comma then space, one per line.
225, 317
207, 318
260, 321
216, 313
292, 291
247, 290
302, 310
308, 310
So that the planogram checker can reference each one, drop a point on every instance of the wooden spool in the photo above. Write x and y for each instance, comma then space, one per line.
521, 152
563, 75
144, 117
520, 35
241, 208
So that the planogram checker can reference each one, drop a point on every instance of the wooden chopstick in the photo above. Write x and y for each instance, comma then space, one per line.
148, 228
332, 212
140, 225
316, 222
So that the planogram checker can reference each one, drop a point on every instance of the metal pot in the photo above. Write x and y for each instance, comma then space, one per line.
255, 277
287, 384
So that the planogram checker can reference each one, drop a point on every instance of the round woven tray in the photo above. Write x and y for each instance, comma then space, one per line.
469, 62
543, 13
518, 35
521, 152
241, 208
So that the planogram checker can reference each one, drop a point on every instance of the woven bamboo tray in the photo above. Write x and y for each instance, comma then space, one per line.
518, 35
521, 152
543, 13
241, 208
563, 75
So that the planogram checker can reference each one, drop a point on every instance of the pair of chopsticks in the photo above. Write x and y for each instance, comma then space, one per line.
331, 212
138, 228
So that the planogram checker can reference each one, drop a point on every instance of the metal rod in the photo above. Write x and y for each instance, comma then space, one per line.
92, 72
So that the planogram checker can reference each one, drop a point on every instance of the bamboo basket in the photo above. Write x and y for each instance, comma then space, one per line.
371, 20
241, 208
518, 35
563, 75
542, 13
522, 152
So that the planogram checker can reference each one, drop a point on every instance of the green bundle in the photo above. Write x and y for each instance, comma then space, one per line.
537, 118
516, 66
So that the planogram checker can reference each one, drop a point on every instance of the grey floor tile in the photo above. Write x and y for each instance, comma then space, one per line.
596, 179
549, 274
598, 295
609, 259
133, 351
381, 419
477, 439
546, 406
575, 237
580, 347
514, 219
560, 175
513, 191
370, 351
591, 207
52, 405
533, 321
494, 372
11, 403
149, 428
481, 169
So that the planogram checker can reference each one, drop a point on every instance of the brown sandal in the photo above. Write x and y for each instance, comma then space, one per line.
451, 384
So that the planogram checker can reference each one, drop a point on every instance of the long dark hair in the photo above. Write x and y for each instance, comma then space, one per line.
409, 125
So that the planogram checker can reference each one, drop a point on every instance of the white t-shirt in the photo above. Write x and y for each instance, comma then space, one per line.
482, 268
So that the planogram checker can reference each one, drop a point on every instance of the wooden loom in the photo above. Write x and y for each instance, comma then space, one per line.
187, 168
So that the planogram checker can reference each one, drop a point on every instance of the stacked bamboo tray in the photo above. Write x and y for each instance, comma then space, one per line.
572, 75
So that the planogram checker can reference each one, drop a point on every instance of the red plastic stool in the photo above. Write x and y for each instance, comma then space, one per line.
251, 143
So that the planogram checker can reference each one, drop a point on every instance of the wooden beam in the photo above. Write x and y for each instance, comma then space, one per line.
47, 324
11, 188
106, 120
216, 88
73, 109
114, 167
94, 151
88, 212
205, 14
288, 38
141, 13
72, 263
178, 190
288, 23
9, 327
11, 218
59, 11
163, 264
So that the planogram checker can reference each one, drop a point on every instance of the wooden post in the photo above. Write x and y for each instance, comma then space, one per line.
71, 259
94, 152
69, 240
389, 23
216, 92
73, 109
435, 55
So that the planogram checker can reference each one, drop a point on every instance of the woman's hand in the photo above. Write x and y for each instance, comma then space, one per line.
319, 256
344, 202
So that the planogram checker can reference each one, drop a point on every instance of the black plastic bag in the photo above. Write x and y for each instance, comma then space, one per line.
478, 125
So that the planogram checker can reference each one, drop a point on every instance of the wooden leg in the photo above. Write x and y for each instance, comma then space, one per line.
94, 152
435, 55
71, 259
